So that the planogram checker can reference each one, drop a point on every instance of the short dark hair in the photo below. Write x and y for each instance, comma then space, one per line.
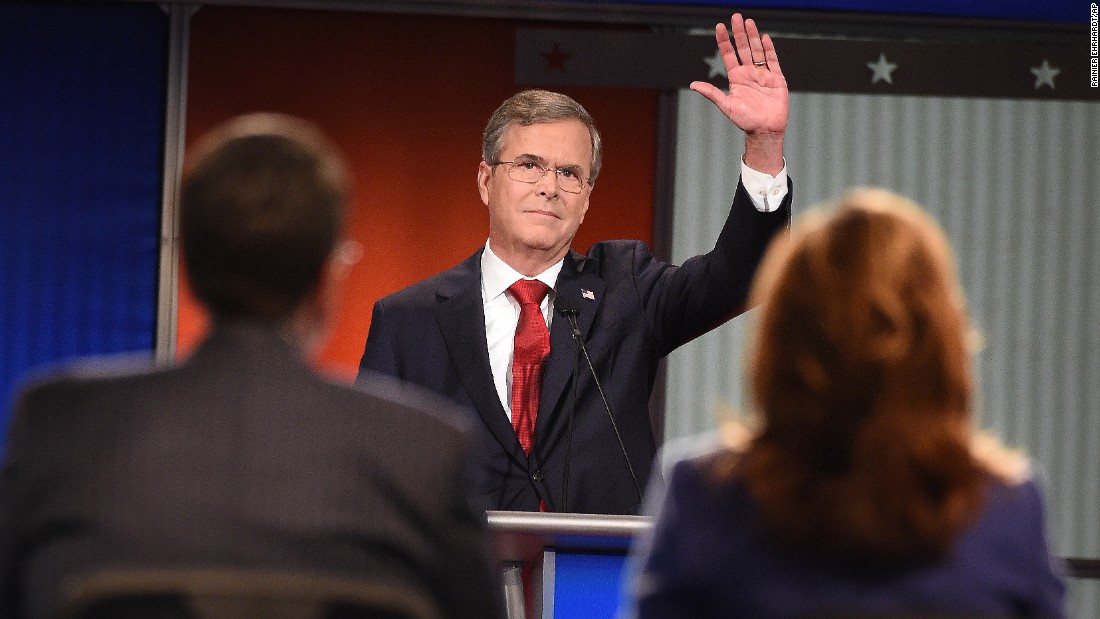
534, 106
262, 207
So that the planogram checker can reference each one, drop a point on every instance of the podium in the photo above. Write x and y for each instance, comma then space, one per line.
561, 566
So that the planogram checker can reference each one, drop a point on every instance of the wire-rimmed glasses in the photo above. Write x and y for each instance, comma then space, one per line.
569, 177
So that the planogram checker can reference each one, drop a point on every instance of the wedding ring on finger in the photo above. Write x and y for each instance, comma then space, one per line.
760, 63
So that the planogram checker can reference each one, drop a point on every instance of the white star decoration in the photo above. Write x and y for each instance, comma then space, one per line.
1044, 74
716, 64
882, 70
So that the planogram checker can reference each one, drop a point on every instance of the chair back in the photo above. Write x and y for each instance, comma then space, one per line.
240, 594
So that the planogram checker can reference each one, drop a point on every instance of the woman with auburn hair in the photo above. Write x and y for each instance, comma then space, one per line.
861, 489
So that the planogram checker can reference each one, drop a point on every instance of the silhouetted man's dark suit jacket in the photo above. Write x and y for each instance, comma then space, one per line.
240, 457
633, 310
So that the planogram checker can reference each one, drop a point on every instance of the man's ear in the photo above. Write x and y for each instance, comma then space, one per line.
484, 175
318, 313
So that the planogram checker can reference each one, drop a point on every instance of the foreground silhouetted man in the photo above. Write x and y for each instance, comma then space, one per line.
242, 456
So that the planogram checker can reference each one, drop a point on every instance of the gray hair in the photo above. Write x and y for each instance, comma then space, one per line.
537, 106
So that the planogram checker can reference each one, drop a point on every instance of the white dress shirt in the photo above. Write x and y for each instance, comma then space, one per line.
502, 316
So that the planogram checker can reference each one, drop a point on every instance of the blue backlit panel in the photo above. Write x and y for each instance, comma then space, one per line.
81, 143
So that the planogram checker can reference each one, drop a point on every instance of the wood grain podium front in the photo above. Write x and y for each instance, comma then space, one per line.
562, 566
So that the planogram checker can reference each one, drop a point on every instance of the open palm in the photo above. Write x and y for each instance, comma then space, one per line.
757, 101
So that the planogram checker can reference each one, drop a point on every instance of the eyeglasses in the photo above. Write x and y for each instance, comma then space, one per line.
569, 178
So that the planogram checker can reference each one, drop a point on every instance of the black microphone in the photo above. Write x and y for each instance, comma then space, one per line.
568, 309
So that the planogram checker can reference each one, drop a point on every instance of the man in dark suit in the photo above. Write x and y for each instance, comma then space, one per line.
458, 332
243, 456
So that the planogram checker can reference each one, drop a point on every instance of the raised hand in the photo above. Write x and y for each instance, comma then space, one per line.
757, 101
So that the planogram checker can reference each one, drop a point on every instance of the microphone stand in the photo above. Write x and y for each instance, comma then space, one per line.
570, 315
570, 312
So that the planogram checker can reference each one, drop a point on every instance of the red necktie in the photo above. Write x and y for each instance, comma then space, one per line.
532, 345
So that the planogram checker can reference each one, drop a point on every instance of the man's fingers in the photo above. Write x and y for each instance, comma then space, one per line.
740, 39
725, 48
722, 36
710, 91
756, 49
769, 54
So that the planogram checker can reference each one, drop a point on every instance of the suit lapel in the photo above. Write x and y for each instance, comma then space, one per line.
460, 313
577, 282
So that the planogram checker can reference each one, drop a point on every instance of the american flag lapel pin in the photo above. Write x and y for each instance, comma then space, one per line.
588, 294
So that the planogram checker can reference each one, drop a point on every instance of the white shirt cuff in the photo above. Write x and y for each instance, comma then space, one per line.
767, 191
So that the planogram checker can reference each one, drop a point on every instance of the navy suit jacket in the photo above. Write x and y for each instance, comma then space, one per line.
632, 311
706, 557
